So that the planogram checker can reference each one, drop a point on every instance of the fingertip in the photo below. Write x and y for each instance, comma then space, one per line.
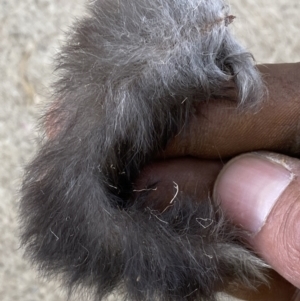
249, 187
260, 193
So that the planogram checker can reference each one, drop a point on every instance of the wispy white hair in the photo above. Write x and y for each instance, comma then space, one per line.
129, 76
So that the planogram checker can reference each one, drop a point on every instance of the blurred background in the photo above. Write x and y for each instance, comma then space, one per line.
30, 34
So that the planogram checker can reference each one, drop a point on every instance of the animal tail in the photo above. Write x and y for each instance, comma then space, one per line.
129, 76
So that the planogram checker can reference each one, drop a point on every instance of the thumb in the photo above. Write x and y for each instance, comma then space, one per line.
261, 193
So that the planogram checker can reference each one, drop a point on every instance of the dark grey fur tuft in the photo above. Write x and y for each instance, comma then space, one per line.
130, 73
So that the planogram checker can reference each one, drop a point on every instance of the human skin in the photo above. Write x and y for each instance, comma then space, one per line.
219, 129
219, 132
260, 193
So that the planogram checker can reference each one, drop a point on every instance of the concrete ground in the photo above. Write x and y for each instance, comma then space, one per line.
30, 33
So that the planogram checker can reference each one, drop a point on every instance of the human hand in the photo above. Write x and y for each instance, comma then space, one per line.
217, 131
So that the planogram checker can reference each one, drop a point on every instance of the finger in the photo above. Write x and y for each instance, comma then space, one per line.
197, 177
166, 179
218, 129
261, 193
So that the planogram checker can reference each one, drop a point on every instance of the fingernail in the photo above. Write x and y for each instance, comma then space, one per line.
248, 188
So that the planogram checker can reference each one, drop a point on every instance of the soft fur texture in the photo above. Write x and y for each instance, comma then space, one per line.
129, 75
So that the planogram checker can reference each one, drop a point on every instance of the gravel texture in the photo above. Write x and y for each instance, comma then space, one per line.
30, 34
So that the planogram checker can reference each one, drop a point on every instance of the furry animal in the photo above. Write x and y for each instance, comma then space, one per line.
129, 74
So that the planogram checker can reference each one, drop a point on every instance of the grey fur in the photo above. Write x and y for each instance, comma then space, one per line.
129, 75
